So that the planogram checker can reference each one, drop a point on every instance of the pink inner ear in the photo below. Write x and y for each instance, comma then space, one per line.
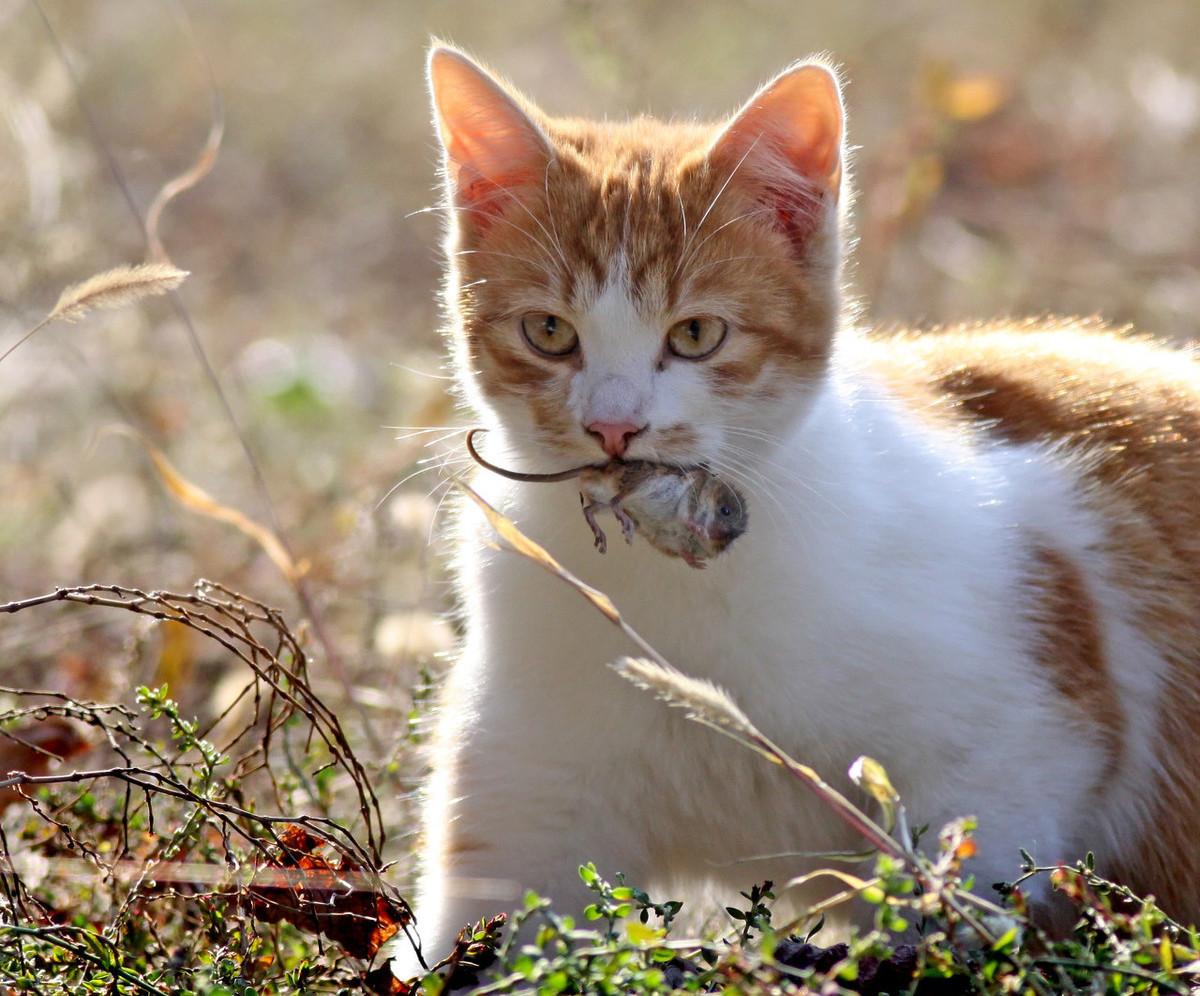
787, 143
491, 144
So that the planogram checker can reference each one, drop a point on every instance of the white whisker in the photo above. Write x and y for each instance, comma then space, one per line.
716, 231
713, 203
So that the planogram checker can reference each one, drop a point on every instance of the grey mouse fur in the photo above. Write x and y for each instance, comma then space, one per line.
684, 512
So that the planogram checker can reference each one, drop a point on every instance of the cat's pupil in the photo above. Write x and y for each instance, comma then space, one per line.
551, 324
694, 330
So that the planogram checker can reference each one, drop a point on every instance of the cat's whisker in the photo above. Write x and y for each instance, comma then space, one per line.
428, 466
727, 259
541, 267
441, 439
537, 221
500, 191
412, 431
753, 433
447, 487
712, 204
763, 498
423, 373
513, 225
716, 231
789, 474
554, 237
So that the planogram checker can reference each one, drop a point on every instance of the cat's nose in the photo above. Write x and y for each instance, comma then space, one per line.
614, 436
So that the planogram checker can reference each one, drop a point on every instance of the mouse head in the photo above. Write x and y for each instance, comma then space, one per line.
721, 513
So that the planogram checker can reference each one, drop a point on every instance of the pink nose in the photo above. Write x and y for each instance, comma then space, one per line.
614, 436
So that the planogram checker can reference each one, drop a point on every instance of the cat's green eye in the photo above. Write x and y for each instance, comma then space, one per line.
548, 334
696, 338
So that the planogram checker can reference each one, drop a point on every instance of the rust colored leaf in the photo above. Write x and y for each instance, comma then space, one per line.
300, 885
33, 747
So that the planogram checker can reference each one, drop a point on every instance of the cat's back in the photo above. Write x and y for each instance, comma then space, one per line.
1129, 406
1124, 414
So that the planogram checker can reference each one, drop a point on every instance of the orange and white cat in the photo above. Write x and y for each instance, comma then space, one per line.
975, 553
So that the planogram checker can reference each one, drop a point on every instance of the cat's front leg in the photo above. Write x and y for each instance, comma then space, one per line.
497, 826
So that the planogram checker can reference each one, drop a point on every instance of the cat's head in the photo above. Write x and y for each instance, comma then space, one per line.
654, 290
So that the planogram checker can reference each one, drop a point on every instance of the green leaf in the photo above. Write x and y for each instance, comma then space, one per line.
1005, 940
640, 933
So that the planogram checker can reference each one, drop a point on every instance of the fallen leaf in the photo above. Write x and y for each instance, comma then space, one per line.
304, 888
33, 747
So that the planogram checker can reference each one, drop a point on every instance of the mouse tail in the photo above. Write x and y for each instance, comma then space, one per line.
516, 475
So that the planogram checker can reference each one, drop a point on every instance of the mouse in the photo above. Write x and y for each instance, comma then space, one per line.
684, 512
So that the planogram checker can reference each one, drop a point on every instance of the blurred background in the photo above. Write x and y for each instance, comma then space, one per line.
1016, 158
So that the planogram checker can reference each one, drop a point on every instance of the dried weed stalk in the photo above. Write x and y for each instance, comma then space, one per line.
181, 821
115, 288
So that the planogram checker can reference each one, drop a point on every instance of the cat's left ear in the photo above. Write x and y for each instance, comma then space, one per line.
788, 139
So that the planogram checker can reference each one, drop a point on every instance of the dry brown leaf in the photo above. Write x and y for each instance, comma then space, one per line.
176, 654
32, 747
198, 500
973, 98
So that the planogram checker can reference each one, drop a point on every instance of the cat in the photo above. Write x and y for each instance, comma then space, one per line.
975, 554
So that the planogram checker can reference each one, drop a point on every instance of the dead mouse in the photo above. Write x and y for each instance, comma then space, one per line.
684, 512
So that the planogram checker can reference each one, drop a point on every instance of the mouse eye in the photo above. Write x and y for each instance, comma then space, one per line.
726, 510
548, 334
696, 338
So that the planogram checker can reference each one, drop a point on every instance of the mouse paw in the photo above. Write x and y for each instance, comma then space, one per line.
628, 526
693, 561
589, 514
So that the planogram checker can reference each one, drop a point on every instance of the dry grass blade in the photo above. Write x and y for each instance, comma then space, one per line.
204, 162
198, 500
518, 542
116, 288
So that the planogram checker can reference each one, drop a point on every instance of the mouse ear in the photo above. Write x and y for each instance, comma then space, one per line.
787, 143
492, 144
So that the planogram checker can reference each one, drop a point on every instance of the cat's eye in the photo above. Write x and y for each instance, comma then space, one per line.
549, 334
696, 338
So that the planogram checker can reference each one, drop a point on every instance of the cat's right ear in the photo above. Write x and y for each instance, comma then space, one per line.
492, 146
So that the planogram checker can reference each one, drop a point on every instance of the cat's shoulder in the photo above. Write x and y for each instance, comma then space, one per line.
1068, 380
